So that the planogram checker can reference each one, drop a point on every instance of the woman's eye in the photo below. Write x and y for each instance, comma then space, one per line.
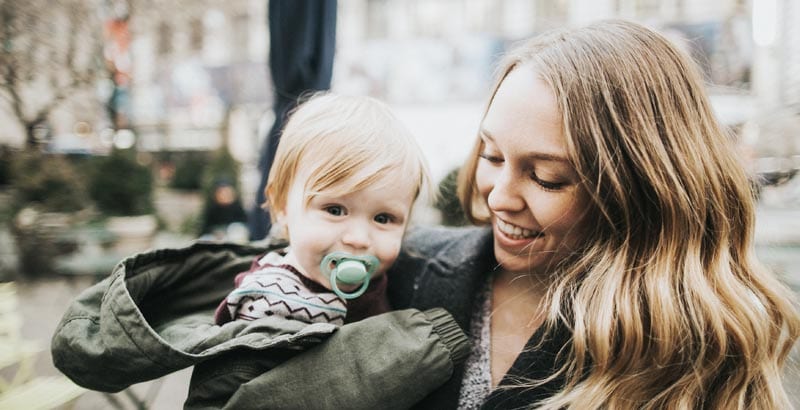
491, 158
547, 185
335, 210
383, 218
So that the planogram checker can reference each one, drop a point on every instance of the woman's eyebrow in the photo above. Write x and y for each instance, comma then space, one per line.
540, 156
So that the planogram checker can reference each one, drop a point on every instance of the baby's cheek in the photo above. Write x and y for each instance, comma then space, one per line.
387, 257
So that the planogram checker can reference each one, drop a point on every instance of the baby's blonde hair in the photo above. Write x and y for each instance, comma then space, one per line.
343, 144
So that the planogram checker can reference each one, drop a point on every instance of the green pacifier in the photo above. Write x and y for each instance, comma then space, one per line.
350, 270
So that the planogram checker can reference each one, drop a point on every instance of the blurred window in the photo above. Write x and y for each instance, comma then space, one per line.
196, 34
241, 31
377, 18
550, 14
646, 8
164, 38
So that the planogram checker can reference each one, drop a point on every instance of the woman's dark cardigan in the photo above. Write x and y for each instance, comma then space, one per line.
445, 267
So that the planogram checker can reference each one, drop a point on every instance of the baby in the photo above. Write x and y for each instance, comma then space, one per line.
345, 178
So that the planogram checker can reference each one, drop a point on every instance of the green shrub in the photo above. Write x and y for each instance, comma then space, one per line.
189, 170
47, 180
221, 167
6, 158
120, 185
447, 201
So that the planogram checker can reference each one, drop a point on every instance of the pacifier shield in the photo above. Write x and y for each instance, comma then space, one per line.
350, 270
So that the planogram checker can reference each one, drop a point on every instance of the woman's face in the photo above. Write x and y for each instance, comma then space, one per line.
524, 176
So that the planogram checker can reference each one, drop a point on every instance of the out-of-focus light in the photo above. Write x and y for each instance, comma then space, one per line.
765, 22
124, 139
82, 129
107, 137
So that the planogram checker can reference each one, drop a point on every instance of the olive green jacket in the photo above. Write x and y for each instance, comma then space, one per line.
154, 315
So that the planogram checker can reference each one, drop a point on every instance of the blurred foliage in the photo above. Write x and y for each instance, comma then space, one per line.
47, 195
189, 167
49, 181
447, 201
200, 170
41, 237
191, 225
6, 158
120, 185
223, 167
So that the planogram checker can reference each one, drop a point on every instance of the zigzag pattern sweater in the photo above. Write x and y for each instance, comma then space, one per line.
273, 287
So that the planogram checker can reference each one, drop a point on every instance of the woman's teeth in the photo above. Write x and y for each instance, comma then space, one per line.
515, 232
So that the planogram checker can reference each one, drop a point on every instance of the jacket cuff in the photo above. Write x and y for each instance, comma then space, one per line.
449, 333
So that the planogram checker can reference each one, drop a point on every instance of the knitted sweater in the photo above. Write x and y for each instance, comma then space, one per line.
273, 287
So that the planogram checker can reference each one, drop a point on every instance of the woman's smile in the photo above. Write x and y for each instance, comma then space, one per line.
515, 232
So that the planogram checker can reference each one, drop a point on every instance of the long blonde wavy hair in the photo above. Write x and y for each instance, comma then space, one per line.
667, 303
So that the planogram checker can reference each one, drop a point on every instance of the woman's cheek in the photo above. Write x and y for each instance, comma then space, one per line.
484, 178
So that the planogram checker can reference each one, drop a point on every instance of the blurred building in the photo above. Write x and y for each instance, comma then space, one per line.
434, 50
50, 73
197, 66
194, 74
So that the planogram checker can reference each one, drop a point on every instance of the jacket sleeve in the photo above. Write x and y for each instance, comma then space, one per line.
389, 361
153, 316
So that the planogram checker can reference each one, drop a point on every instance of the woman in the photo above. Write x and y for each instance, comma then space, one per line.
619, 271
609, 185
619, 267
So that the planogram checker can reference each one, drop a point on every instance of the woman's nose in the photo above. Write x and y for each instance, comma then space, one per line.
504, 195
356, 235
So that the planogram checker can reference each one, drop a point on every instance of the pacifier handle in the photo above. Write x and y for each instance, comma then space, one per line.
349, 269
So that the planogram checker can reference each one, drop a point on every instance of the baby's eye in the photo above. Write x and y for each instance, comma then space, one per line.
383, 218
335, 210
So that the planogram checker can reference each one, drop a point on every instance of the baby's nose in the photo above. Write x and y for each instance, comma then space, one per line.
356, 236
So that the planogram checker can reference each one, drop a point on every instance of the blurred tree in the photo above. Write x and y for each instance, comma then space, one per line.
447, 201
120, 185
50, 182
49, 50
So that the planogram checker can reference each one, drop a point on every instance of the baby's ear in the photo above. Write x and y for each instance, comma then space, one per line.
279, 230
279, 216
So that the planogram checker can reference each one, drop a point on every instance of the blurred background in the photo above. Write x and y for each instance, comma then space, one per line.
132, 124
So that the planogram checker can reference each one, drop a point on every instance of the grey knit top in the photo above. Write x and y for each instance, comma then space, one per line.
477, 381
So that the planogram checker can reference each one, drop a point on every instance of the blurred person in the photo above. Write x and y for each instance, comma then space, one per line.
222, 210
613, 265
302, 43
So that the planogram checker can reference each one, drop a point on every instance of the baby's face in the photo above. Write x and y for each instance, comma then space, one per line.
370, 221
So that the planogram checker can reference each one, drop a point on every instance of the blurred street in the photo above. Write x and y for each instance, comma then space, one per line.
129, 110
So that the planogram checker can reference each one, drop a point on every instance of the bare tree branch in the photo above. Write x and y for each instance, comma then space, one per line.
47, 53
